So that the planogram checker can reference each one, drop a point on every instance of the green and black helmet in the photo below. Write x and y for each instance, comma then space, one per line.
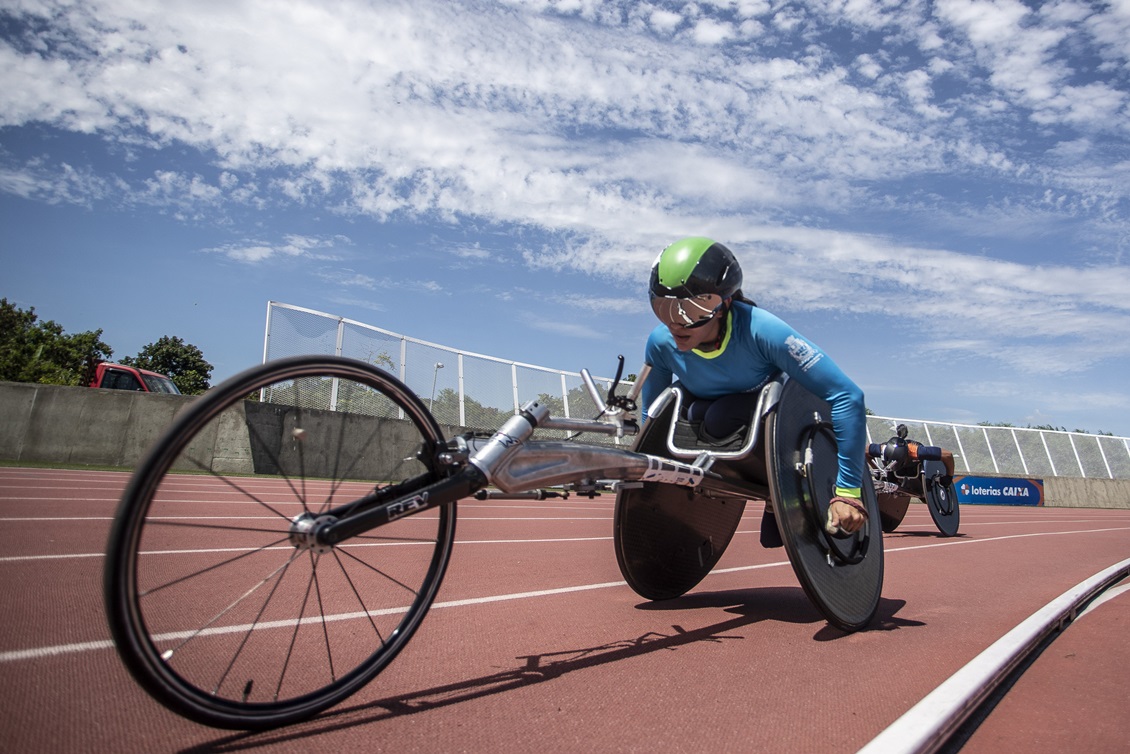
691, 280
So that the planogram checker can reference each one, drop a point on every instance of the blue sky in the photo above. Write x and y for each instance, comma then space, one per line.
937, 193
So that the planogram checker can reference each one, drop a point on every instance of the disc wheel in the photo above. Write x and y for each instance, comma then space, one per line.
941, 498
666, 538
220, 601
843, 578
892, 509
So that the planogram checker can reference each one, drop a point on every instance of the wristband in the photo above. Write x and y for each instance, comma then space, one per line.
848, 501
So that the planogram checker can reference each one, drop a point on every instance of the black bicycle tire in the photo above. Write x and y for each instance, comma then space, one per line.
133, 642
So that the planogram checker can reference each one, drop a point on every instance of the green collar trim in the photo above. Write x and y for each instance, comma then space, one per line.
725, 339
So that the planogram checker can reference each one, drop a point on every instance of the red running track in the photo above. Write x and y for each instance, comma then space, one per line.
536, 644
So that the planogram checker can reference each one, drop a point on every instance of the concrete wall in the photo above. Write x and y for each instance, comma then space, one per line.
80, 425
1073, 492
50, 424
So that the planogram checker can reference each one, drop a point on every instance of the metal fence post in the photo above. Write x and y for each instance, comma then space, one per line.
462, 394
565, 397
267, 333
1019, 452
337, 352
1102, 453
992, 455
403, 367
1047, 450
961, 450
1078, 460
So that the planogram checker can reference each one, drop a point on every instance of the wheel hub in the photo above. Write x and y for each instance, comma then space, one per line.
304, 532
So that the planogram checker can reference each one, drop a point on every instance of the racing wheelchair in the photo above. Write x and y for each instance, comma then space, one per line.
283, 540
898, 475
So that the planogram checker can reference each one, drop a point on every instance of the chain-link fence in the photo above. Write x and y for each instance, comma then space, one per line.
462, 389
479, 392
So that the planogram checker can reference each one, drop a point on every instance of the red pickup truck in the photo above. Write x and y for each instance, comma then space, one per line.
121, 377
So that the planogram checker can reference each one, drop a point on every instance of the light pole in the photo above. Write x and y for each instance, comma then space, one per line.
435, 374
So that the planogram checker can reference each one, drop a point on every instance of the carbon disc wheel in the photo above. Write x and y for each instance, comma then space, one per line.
941, 498
843, 578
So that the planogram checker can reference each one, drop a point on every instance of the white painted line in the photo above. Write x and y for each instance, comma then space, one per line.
57, 518
888, 550
955, 542
41, 652
35, 653
60, 649
350, 546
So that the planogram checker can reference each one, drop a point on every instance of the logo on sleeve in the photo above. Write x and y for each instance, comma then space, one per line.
804, 353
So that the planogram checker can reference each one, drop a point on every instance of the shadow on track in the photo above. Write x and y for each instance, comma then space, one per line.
786, 604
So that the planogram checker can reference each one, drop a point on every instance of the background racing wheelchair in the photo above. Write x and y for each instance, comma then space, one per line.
903, 469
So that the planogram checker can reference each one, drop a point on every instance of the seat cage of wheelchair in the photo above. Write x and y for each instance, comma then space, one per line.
767, 399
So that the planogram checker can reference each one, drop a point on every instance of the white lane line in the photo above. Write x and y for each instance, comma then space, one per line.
946, 543
35, 653
42, 519
952, 542
41, 652
59, 649
352, 545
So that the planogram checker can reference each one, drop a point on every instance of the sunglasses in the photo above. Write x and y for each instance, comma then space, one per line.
687, 313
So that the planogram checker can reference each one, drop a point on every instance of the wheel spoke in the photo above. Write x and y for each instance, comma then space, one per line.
168, 654
231, 483
247, 635
215, 591
378, 571
208, 569
294, 634
357, 594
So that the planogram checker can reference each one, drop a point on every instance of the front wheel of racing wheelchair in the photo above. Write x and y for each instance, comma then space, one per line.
221, 602
667, 538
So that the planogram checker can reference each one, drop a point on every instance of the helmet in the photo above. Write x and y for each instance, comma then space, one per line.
691, 280
896, 451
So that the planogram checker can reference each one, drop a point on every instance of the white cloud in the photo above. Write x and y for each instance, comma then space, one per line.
710, 32
291, 246
1020, 48
664, 21
60, 183
611, 128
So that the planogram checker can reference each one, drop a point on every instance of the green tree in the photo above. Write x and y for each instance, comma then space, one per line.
40, 351
183, 362
445, 408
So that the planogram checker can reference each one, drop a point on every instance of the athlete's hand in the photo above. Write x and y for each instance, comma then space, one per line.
845, 516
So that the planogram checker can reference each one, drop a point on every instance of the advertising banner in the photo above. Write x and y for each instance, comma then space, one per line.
991, 490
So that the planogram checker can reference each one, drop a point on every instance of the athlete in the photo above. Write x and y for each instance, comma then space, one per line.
722, 349
907, 455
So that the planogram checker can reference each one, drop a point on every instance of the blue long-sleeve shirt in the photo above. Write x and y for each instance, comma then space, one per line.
757, 346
